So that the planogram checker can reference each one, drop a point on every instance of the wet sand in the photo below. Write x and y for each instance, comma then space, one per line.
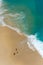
14, 52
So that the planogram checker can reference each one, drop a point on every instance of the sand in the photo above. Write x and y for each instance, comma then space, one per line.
13, 51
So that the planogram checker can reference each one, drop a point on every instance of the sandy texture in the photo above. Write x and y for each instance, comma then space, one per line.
14, 52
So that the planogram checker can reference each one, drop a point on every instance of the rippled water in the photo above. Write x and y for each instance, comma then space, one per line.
27, 15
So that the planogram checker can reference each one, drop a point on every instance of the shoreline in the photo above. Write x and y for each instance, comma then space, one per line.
16, 47
31, 40
10, 44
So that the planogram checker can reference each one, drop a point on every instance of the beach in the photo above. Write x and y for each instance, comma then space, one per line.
21, 32
14, 51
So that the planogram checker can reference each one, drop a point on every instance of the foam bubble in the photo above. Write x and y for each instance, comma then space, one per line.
38, 45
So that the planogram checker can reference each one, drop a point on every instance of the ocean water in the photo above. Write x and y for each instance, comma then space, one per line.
27, 15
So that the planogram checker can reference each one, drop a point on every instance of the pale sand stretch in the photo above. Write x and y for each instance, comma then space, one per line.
12, 52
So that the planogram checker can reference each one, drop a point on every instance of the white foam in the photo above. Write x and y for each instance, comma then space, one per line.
1, 12
4, 24
17, 16
38, 45
1, 21
0, 3
15, 29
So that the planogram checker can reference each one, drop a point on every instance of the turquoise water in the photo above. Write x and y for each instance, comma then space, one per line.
32, 10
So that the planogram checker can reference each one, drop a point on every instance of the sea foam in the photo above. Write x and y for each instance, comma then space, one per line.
37, 44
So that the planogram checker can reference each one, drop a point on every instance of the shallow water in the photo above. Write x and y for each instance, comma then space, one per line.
27, 15
30, 15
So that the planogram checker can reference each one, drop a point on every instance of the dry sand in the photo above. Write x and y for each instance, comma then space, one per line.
12, 52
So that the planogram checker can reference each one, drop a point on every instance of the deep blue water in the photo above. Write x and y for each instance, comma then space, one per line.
33, 10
